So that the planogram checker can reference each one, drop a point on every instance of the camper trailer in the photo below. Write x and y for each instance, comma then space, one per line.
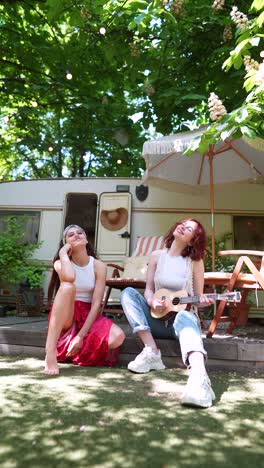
52, 204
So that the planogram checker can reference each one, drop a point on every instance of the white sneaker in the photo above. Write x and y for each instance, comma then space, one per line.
198, 391
146, 361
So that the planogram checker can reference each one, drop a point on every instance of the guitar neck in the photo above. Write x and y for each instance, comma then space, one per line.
196, 299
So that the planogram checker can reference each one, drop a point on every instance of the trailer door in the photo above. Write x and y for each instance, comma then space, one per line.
113, 226
81, 209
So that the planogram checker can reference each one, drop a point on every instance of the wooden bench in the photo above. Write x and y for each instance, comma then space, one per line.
253, 281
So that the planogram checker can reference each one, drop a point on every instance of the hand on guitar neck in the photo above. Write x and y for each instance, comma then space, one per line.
167, 303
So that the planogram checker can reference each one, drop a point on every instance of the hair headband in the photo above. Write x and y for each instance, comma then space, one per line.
67, 229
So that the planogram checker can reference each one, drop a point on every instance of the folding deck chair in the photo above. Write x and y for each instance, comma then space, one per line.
134, 271
253, 281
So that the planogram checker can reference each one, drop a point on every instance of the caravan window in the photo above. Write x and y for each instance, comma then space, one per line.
30, 220
249, 232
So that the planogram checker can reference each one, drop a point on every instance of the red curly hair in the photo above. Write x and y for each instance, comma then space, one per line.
197, 249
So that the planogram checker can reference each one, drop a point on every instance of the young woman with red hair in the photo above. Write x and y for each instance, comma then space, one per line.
179, 266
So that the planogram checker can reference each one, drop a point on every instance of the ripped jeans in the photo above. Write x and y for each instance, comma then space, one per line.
185, 327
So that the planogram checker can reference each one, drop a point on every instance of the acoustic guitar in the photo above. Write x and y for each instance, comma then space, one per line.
176, 301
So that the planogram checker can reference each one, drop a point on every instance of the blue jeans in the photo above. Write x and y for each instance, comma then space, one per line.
185, 327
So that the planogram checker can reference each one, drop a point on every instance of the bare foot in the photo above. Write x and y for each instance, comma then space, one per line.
51, 365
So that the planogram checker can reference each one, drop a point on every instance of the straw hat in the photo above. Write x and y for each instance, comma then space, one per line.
114, 219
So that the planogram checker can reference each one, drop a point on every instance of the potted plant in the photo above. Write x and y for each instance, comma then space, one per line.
18, 267
30, 293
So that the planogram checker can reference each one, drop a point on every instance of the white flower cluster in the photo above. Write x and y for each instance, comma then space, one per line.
218, 5
260, 73
216, 107
227, 34
250, 64
134, 50
85, 14
150, 91
177, 6
105, 100
239, 18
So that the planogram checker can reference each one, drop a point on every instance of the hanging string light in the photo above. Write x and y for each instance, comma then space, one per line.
102, 31
109, 22
68, 75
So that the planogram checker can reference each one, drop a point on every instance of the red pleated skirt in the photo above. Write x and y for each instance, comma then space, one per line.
94, 350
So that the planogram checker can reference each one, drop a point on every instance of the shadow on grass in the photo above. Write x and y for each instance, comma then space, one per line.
91, 417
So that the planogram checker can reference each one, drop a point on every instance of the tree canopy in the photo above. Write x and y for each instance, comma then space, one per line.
85, 82
247, 118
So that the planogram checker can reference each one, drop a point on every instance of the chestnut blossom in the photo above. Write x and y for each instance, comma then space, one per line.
216, 108
149, 89
239, 18
218, 5
260, 75
250, 64
177, 6
227, 34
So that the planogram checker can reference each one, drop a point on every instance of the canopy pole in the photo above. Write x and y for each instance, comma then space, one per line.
212, 203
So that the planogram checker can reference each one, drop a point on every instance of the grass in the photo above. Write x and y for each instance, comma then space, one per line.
100, 417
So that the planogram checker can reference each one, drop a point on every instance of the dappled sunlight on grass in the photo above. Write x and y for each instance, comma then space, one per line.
113, 418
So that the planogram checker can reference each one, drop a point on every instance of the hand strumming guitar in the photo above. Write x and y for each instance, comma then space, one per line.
158, 305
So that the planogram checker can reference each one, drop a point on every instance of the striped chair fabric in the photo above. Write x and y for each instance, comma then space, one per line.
146, 245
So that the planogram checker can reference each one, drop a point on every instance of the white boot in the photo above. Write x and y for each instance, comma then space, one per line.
198, 390
146, 361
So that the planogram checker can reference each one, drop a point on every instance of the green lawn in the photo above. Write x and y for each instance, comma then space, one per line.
99, 417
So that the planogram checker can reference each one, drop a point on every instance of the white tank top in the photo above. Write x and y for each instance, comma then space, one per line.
84, 281
173, 273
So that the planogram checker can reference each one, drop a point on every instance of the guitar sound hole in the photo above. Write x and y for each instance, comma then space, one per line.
175, 301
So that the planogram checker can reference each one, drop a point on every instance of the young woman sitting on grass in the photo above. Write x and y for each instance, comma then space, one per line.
77, 332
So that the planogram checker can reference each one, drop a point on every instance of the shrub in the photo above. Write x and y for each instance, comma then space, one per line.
226, 263
16, 263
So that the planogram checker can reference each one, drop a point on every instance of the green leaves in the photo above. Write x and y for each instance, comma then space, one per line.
246, 119
247, 131
136, 5
250, 81
54, 9
260, 20
15, 258
257, 5
151, 59
169, 17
